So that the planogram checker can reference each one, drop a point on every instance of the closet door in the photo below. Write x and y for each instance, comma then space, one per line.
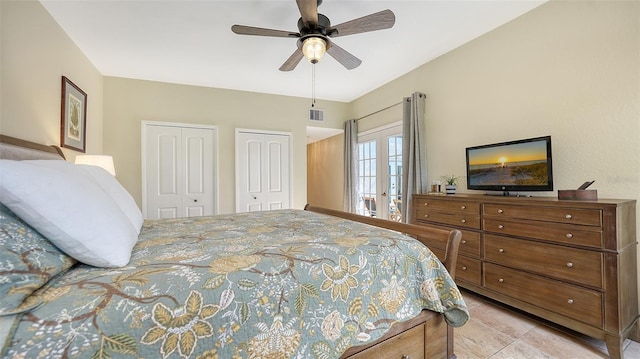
178, 171
262, 171
198, 171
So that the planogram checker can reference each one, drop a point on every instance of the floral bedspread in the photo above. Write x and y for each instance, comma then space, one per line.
279, 284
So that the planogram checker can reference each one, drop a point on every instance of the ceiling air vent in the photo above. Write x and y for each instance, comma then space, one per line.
316, 115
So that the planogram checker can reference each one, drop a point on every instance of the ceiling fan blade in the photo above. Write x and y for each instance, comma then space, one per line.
309, 12
384, 19
343, 56
258, 31
292, 61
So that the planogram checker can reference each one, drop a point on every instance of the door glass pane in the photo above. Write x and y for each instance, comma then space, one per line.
394, 154
367, 178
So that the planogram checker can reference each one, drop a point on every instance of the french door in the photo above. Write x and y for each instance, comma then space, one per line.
380, 172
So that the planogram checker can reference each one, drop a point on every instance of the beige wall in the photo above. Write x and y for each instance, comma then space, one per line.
129, 102
566, 69
35, 54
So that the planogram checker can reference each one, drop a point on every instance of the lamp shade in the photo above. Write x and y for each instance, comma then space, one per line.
103, 161
313, 49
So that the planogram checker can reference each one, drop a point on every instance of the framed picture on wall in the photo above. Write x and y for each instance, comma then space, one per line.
73, 125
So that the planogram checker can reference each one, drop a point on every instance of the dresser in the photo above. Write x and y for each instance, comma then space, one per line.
573, 263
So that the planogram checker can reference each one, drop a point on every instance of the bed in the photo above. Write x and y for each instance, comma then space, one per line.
311, 283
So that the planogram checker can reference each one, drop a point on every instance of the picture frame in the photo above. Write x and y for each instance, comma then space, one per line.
73, 113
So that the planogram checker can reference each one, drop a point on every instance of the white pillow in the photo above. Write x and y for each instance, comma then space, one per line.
108, 183
66, 206
117, 193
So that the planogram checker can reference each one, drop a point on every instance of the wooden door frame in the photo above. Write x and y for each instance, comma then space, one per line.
143, 153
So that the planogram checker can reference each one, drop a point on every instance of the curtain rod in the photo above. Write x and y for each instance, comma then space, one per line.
373, 113
388, 107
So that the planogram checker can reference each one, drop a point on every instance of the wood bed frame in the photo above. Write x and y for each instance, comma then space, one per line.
426, 336
13, 142
438, 336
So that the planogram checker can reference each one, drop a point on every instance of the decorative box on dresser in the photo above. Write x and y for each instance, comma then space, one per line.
570, 262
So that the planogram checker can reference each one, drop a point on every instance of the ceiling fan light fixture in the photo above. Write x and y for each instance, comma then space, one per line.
314, 48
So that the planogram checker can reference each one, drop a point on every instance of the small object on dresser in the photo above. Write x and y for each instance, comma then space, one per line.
578, 194
436, 188
586, 184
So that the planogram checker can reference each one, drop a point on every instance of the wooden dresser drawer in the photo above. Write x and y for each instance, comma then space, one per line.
445, 205
454, 219
470, 244
570, 264
469, 270
561, 233
407, 344
587, 217
576, 302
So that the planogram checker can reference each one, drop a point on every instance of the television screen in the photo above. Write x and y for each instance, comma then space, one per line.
522, 165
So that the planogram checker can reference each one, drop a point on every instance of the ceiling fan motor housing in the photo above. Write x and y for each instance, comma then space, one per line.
321, 29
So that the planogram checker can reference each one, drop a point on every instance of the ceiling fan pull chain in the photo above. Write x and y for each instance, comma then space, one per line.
313, 85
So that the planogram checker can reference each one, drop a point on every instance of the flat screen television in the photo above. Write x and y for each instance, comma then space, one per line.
522, 165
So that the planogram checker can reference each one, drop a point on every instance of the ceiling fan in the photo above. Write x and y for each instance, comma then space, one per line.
315, 34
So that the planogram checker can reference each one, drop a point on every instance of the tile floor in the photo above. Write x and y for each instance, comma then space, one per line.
497, 332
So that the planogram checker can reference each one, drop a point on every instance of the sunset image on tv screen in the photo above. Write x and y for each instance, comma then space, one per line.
516, 164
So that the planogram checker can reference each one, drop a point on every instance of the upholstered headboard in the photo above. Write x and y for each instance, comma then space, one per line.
12, 148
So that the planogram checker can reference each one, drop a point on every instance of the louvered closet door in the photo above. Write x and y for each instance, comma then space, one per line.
262, 171
178, 172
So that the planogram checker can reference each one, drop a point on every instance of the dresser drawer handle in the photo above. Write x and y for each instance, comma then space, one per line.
570, 301
501, 250
570, 264
500, 226
464, 241
463, 220
569, 235
463, 207
426, 203
426, 216
500, 280
405, 357
500, 211
568, 216
464, 267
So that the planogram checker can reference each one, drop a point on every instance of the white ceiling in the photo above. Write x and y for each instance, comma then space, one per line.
190, 42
